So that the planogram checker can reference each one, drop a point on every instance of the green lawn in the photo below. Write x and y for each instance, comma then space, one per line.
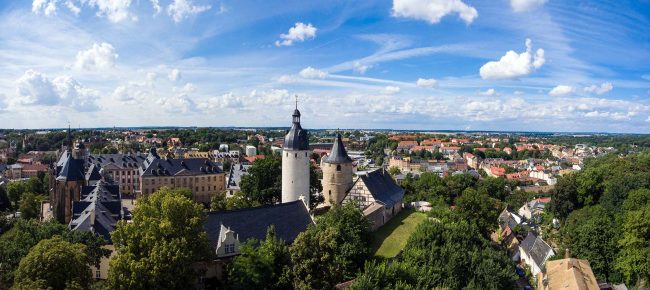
388, 240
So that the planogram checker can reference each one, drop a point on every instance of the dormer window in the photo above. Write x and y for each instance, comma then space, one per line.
229, 248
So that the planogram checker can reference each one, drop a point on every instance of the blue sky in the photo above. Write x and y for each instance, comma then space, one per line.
535, 65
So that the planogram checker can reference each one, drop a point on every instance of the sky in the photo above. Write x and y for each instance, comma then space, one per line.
504, 65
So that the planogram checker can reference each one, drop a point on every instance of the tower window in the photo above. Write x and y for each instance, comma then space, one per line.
305, 154
296, 155
338, 167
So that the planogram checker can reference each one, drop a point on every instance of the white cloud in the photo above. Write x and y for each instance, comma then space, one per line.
599, 90
526, 5
100, 56
299, 33
361, 68
155, 4
174, 75
561, 91
648, 119
34, 88
426, 83
180, 9
224, 101
488, 93
73, 8
391, 90
433, 10
270, 97
114, 10
177, 104
312, 73
514, 65
47, 7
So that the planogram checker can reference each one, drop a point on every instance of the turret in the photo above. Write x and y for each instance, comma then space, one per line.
295, 162
337, 173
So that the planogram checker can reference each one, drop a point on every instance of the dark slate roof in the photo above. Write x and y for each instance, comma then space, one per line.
71, 169
3, 167
92, 174
98, 210
338, 154
122, 161
297, 138
382, 187
182, 166
289, 219
237, 170
536, 248
506, 218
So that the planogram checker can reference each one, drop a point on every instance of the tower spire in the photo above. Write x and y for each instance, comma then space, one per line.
296, 102
69, 138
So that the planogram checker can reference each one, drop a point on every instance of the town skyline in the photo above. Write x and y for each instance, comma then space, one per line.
535, 65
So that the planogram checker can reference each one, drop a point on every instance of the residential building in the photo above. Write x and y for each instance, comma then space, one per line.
567, 274
121, 169
534, 252
534, 207
237, 170
251, 150
377, 195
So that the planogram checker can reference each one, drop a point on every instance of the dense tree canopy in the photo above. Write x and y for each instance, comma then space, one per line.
332, 250
447, 252
156, 250
15, 244
55, 264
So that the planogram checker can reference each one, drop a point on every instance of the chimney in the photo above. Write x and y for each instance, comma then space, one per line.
567, 253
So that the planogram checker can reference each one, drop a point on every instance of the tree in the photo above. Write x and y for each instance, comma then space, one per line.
315, 187
332, 250
634, 259
394, 170
218, 202
15, 189
157, 248
564, 197
261, 267
264, 181
591, 233
29, 207
494, 187
479, 208
15, 244
56, 264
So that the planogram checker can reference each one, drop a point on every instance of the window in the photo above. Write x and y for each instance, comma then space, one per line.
98, 274
305, 154
338, 167
296, 155
230, 248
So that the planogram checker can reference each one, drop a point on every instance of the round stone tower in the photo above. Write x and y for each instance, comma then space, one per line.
295, 163
337, 173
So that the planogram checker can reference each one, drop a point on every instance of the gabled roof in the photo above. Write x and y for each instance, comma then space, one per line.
382, 187
338, 155
289, 219
92, 174
536, 248
570, 274
120, 161
506, 218
71, 170
98, 210
236, 172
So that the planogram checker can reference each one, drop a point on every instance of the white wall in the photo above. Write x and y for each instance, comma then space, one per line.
295, 175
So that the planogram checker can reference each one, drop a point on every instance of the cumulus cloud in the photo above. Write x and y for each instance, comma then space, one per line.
432, 11
561, 91
526, 5
177, 104
73, 8
648, 119
270, 97
47, 7
100, 56
514, 65
181, 9
34, 88
312, 73
599, 90
426, 83
224, 101
488, 93
114, 10
155, 4
298, 33
391, 90
174, 75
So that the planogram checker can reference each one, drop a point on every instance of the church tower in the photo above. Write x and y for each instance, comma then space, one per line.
295, 162
337, 173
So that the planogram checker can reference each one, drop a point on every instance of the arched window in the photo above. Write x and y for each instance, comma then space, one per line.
330, 192
338, 167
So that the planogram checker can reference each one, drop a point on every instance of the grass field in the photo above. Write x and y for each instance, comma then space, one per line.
388, 240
